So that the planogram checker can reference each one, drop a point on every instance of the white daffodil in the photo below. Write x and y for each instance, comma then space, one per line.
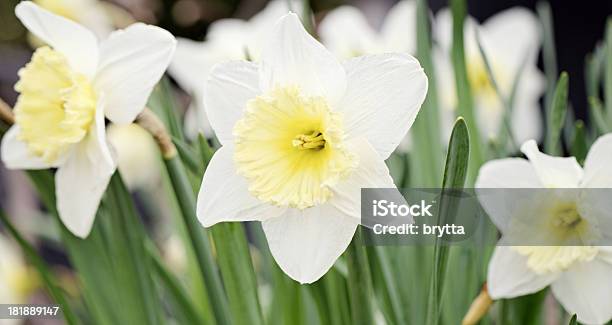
137, 155
579, 275
66, 91
89, 13
301, 134
509, 39
227, 39
346, 31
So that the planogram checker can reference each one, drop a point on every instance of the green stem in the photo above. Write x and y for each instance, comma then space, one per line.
198, 235
360, 282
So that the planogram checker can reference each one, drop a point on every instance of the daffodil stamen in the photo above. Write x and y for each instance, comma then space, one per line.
56, 105
290, 148
315, 141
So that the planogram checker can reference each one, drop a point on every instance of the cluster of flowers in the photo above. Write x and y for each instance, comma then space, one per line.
302, 127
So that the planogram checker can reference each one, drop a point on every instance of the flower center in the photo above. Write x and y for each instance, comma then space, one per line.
565, 225
290, 148
56, 105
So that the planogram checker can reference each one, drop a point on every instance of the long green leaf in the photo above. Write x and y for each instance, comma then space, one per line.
237, 272
608, 72
574, 320
185, 308
455, 172
427, 150
43, 269
359, 281
462, 84
549, 53
199, 239
556, 119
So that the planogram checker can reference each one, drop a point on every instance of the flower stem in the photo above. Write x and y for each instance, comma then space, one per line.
6, 113
359, 281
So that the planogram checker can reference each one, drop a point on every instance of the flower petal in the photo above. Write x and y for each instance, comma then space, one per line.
131, 62
597, 172
292, 57
81, 182
509, 276
306, 243
556, 172
499, 185
224, 195
346, 32
512, 35
586, 290
230, 86
399, 28
372, 172
76, 42
191, 65
384, 95
15, 153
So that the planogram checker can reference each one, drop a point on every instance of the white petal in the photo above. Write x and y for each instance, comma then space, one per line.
510, 36
230, 86
292, 57
399, 28
191, 65
131, 62
499, 185
224, 195
15, 153
77, 43
372, 172
526, 115
384, 95
598, 163
346, 32
586, 290
81, 182
306, 243
509, 276
555, 172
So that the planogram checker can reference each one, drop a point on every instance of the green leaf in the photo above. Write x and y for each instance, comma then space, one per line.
237, 272
359, 281
162, 102
187, 156
455, 173
426, 155
608, 72
199, 239
598, 115
43, 269
110, 262
548, 51
465, 101
180, 300
556, 119
579, 142
574, 320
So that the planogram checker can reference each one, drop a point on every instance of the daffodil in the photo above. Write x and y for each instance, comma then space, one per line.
575, 213
65, 93
510, 39
137, 155
347, 33
227, 39
301, 134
